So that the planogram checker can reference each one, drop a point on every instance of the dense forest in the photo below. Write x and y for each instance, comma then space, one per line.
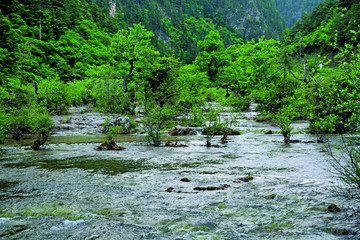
105, 54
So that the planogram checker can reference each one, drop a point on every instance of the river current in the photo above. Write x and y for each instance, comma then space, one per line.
69, 190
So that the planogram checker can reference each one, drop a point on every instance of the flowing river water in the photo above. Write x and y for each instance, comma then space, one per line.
69, 190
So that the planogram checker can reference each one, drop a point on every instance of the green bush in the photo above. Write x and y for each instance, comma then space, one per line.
283, 119
196, 117
41, 124
54, 96
156, 120
4, 128
18, 122
238, 102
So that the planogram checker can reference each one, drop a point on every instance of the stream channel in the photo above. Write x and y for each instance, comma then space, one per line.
69, 190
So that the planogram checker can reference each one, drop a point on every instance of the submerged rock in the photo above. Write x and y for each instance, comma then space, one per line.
212, 188
182, 132
333, 208
272, 196
185, 180
244, 179
170, 144
340, 231
218, 132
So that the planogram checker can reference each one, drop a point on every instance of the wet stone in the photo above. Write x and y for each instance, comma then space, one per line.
185, 180
182, 132
272, 196
333, 208
176, 144
109, 146
212, 188
244, 179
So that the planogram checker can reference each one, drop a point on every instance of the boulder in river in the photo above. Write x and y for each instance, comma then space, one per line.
109, 145
182, 131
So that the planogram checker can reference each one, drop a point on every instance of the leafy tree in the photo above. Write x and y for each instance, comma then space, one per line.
156, 119
41, 124
191, 83
337, 96
210, 56
3, 127
160, 81
19, 122
107, 92
284, 117
53, 95
132, 49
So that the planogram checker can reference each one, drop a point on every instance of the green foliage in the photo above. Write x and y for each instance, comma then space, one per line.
213, 94
211, 124
112, 132
336, 98
19, 122
160, 82
191, 84
107, 92
4, 128
53, 95
239, 103
214, 124
210, 57
41, 124
196, 117
157, 119
284, 117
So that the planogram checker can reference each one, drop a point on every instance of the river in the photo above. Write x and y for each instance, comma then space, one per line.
69, 190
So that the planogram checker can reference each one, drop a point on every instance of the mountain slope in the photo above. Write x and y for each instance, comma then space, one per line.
291, 11
179, 24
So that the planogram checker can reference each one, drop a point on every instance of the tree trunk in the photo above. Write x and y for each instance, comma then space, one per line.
131, 73
40, 21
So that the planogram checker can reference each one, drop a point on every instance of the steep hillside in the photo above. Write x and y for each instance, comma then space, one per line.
291, 11
180, 24
331, 25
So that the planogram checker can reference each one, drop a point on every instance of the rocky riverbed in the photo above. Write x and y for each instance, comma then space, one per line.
252, 187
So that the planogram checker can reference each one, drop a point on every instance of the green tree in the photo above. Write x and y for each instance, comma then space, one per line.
284, 117
133, 51
107, 92
53, 95
157, 119
41, 124
210, 58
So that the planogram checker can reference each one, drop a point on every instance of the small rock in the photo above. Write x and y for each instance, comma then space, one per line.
180, 131
170, 144
185, 180
272, 196
211, 188
244, 179
333, 208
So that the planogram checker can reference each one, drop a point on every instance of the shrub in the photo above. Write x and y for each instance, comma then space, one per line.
196, 117
157, 119
347, 166
41, 124
283, 119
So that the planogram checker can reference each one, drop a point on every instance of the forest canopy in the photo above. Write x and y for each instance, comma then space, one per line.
57, 54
